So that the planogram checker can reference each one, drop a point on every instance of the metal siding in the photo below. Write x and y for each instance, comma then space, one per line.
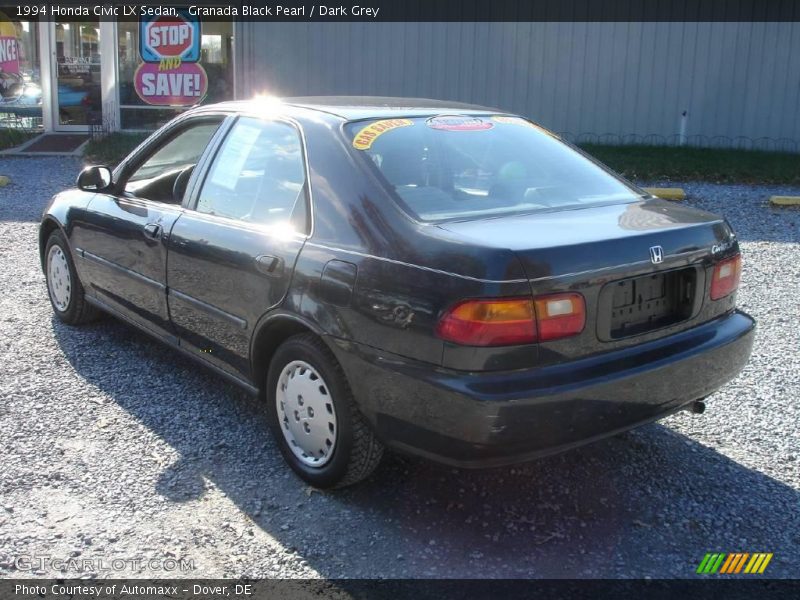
625, 79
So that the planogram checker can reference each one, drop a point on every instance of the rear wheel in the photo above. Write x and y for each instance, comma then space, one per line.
314, 417
63, 286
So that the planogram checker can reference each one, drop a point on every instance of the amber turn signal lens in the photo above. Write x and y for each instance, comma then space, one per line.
500, 322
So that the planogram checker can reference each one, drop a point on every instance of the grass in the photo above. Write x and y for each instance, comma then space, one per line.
9, 138
699, 164
646, 163
111, 149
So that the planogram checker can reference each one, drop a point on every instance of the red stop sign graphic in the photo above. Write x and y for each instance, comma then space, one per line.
169, 36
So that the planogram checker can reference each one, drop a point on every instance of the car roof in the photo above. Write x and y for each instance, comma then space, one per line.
353, 108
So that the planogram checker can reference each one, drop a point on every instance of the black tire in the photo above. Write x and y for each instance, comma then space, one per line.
77, 311
356, 452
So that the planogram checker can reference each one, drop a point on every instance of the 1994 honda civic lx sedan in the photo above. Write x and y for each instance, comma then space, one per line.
437, 278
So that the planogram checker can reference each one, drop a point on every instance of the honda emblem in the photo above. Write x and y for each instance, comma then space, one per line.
656, 254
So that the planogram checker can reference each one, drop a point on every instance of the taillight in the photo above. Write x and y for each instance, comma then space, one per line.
725, 279
559, 315
509, 321
498, 322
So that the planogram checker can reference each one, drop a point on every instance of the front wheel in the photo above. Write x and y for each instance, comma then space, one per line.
63, 286
314, 417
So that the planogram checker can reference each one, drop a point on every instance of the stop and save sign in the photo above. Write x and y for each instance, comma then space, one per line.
170, 74
169, 37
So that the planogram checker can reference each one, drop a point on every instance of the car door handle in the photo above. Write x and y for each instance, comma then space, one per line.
269, 265
152, 231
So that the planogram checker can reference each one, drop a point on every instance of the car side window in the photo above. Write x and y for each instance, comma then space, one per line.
258, 175
155, 179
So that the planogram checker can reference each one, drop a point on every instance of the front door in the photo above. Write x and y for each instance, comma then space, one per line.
125, 237
77, 103
232, 252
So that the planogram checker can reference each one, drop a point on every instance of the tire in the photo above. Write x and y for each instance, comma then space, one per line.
66, 293
350, 452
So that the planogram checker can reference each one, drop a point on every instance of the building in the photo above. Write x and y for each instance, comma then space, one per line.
733, 84
74, 75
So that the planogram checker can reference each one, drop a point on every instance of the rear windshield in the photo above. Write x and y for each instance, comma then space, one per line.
464, 167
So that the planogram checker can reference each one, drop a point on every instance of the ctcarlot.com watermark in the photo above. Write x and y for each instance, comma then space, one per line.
43, 563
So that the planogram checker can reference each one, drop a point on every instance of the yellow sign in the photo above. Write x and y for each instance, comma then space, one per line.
364, 138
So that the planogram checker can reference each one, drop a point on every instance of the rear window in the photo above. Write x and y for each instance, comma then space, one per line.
463, 167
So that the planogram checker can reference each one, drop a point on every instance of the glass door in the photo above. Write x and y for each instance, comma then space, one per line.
77, 99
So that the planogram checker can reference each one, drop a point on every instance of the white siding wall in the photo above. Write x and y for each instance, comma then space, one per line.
734, 79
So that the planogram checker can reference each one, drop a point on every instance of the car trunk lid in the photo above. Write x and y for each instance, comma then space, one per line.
642, 267
588, 240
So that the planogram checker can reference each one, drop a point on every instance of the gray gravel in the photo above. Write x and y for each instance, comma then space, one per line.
113, 447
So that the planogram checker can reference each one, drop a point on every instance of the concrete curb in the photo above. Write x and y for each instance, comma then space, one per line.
21, 150
785, 200
667, 193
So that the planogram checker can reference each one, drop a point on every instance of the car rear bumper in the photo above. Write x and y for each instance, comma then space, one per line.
496, 418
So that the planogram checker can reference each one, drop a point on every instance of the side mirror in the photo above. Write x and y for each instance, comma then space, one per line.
94, 179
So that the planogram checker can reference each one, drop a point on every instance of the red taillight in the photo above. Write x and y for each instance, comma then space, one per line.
510, 321
725, 279
498, 322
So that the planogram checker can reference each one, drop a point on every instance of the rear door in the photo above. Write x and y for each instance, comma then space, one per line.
232, 252
124, 242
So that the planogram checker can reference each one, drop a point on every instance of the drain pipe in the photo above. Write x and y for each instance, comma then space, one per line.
682, 128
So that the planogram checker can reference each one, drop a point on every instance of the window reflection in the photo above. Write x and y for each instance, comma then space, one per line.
20, 83
258, 174
216, 58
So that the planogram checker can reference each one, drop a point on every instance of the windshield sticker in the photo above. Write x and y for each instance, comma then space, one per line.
522, 122
364, 138
458, 123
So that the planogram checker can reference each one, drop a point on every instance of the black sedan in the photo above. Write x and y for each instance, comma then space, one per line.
437, 278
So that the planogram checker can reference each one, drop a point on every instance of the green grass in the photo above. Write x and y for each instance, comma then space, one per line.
111, 149
9, 138
699, 164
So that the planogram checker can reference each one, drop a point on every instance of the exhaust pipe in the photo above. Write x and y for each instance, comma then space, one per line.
698, 407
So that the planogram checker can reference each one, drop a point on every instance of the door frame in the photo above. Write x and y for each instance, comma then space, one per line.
109, 93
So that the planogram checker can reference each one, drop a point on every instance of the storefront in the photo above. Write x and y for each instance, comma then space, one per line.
90, 75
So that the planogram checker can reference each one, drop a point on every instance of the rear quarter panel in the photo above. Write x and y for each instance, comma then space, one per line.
402, 274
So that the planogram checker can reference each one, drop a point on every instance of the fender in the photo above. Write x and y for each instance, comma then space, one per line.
61, 212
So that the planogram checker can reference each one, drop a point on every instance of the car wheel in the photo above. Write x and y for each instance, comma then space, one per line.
314, 417
63, 286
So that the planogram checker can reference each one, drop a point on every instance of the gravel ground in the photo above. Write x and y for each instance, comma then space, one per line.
113, 447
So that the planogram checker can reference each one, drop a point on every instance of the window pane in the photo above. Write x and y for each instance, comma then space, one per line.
20, 85
216, 56
258, 174
462, 166
155, 177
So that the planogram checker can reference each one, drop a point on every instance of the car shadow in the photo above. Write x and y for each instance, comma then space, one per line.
650, 502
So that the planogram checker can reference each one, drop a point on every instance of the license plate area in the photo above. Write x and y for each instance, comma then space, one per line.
639, 305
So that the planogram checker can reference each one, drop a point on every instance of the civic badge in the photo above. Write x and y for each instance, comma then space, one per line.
656, 254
